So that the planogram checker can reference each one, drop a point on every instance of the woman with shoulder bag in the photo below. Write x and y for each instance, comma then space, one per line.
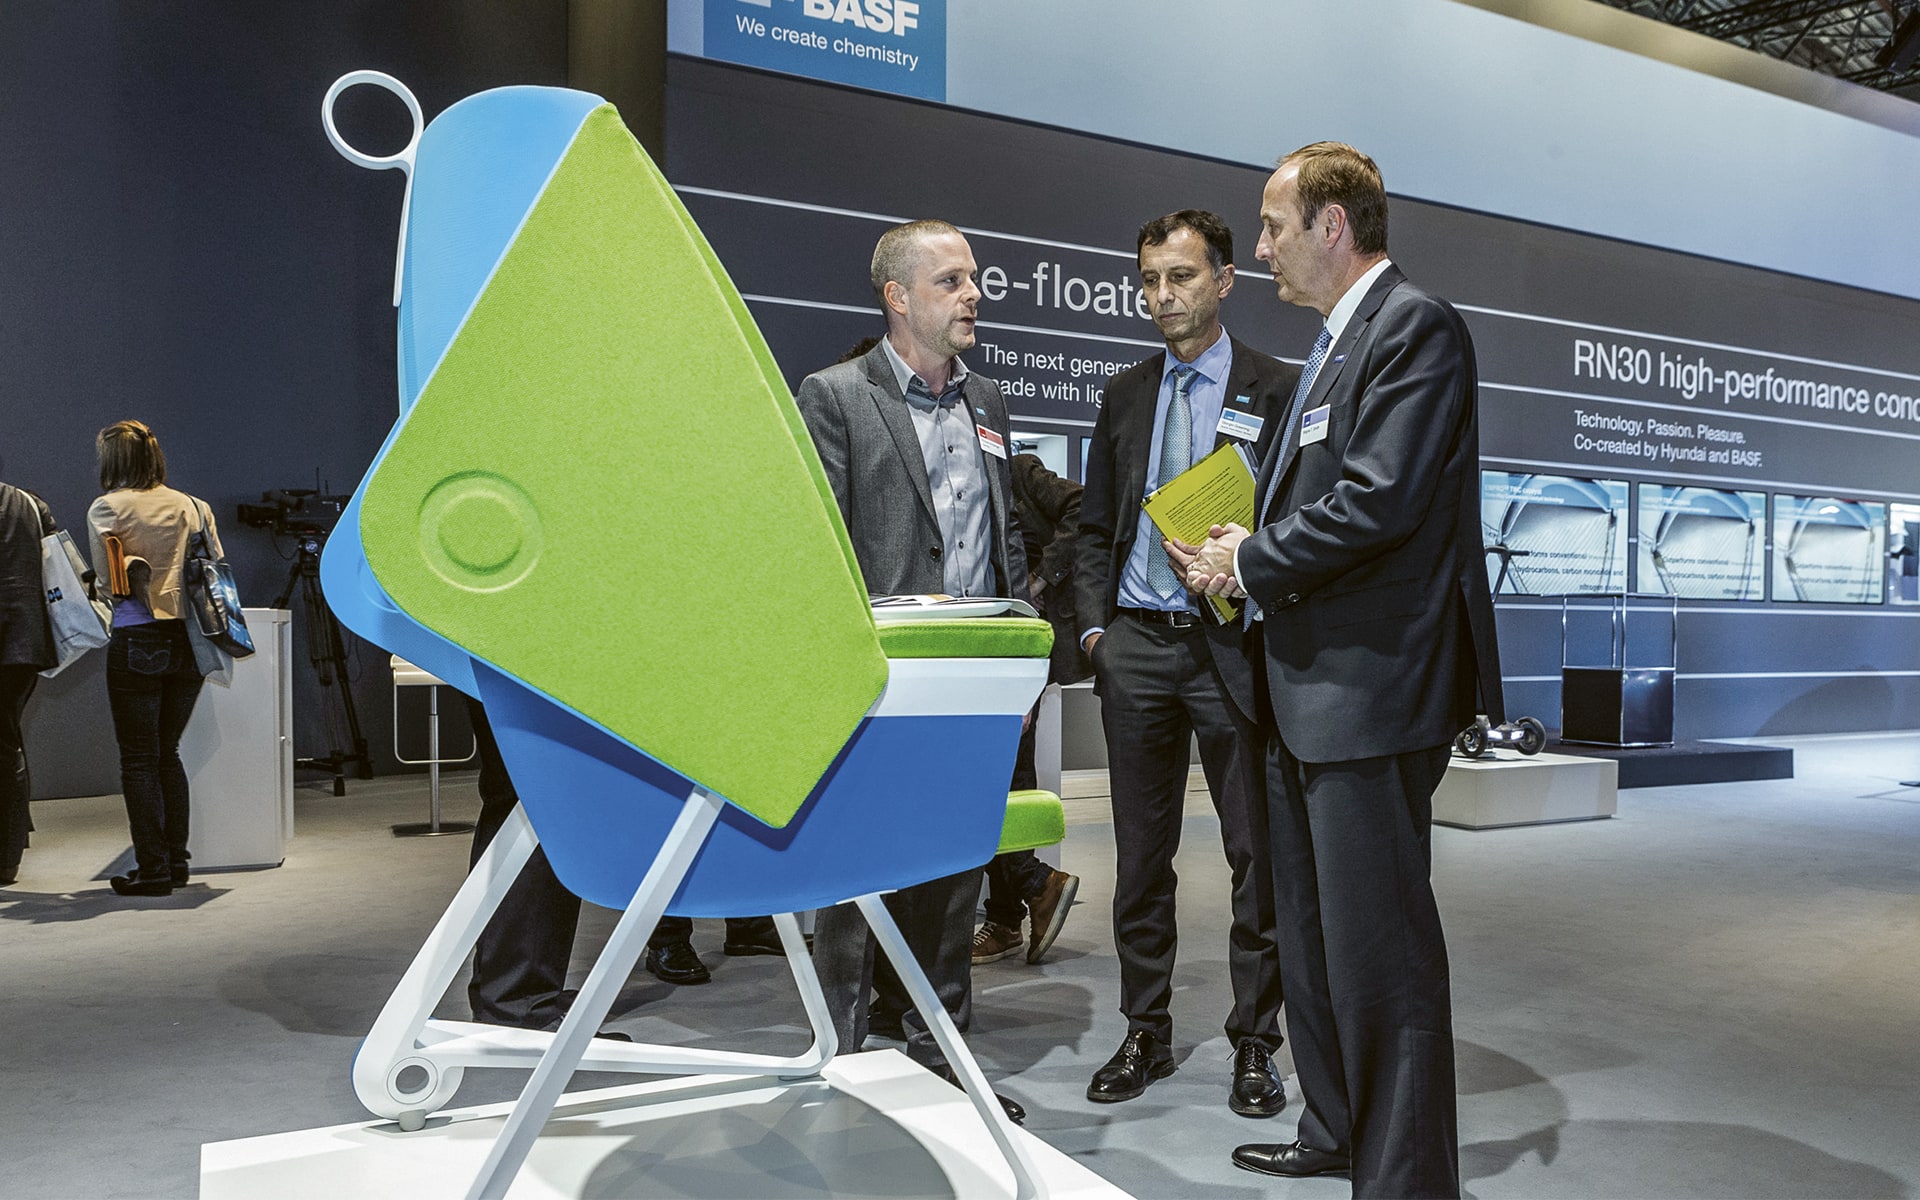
140, 531
26, 648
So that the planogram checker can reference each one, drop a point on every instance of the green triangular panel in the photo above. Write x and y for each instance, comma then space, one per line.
605, 491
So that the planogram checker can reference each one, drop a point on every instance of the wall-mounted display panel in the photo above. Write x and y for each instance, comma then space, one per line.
1553, 535
1829, 551
1903, 554
1597, 360
1702, 543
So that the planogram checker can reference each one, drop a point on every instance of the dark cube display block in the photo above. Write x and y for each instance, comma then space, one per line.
1617, 706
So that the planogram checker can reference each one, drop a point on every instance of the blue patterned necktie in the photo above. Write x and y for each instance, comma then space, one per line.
1288, 434
1321, 345
1176, 455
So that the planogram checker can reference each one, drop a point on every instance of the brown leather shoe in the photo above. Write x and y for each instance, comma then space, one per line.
993, 942
1048, 912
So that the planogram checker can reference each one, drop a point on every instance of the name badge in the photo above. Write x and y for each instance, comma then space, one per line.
1313, 425
992, 442
1242, 425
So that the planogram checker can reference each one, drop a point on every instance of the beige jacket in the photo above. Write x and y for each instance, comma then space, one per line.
153, 526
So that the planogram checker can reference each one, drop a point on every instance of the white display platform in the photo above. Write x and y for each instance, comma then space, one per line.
238, 751
1508, 788
1046, 765
704, 1136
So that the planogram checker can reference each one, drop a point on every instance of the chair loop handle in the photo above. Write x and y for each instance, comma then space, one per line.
401, 160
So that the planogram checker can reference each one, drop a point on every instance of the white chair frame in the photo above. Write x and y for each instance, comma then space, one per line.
406, 1039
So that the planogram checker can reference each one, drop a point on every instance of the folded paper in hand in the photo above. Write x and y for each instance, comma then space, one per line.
1217, 490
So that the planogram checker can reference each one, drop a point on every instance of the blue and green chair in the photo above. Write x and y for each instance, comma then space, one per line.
600, 513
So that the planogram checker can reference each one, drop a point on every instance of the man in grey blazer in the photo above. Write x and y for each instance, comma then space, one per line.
915, 448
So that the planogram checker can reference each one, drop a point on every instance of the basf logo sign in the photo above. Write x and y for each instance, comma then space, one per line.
897, 46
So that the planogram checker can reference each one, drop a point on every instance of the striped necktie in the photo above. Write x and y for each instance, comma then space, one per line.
1308, 373
1288, 434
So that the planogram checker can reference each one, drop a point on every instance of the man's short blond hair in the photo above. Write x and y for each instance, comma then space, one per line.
898, 254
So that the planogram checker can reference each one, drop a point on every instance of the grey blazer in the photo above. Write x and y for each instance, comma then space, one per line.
864, 435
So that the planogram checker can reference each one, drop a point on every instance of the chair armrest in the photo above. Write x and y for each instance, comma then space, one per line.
967, 637
1034, 819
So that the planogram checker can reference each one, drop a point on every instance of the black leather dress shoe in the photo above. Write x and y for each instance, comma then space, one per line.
141, 883
752, 935
676, 962
1290, 1159
746, 947
1257, 1091
611, 1035
1015, 1111
1141, 1059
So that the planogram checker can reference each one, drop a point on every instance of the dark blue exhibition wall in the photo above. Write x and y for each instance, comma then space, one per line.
179, 244
1650, 420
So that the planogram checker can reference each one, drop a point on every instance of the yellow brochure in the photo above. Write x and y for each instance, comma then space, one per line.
1217, 490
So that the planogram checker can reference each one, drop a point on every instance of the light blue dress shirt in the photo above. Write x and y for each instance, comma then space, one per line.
1206, 397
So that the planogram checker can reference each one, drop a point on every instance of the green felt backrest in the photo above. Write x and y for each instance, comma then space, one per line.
605, 491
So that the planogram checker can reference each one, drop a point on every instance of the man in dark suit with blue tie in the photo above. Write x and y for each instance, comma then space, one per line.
1370, 616
1165, 671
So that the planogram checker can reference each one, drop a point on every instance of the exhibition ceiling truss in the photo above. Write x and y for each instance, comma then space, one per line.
1875, 44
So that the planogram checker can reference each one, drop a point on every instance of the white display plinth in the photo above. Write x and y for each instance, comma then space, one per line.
1507, 788
874, 1125
1046, 761
238, 751
1046, 740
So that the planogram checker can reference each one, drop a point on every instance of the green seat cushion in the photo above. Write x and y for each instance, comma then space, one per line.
1034, 819
608, 403
967, 637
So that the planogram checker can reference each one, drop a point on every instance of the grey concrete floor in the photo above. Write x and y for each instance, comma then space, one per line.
1716, 993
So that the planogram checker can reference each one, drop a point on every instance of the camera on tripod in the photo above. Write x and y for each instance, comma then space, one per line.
302, 512
308, 516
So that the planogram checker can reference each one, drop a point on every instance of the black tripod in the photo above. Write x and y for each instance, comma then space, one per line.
327, 652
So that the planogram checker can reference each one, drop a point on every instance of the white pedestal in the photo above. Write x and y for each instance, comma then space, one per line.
1046, 740
874, 1125
1511, 789
238, 751
1046, 758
